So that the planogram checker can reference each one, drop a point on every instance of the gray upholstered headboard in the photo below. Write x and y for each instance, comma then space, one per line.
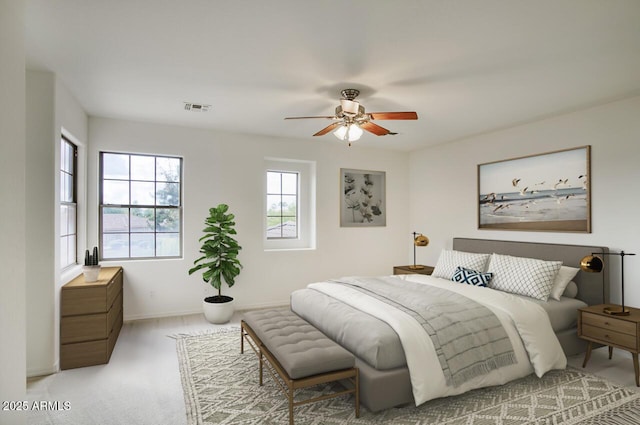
592, 287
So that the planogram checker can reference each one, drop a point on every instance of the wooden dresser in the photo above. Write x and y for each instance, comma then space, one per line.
615, 331
91, 318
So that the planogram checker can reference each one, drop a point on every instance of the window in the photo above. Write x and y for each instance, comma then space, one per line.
140, 206
282, 204
68, 203
289, 204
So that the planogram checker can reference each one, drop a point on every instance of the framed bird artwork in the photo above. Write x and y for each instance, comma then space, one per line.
544, 192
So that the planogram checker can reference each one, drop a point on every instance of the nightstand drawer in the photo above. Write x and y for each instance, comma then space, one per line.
606, 322
608, 336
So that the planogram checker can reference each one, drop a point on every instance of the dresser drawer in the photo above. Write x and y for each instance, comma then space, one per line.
115, 313
114, 288
84, 354
606, 322
113, 337
84, 328
608, 336
78, 300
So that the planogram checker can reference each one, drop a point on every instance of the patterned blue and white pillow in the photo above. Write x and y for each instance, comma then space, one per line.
450, 259
523, 276
471, 277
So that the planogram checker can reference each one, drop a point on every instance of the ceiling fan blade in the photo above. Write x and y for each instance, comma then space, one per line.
375, 129
393, 115
304, 118
328, 129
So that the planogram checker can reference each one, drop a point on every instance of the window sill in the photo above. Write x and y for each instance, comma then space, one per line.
70, 273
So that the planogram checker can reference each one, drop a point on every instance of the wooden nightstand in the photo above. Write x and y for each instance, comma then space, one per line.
615, 331
409, 270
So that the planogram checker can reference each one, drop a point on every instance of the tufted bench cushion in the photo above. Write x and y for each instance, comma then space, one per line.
301, 349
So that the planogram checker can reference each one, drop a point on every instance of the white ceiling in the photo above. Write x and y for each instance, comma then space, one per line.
466, 67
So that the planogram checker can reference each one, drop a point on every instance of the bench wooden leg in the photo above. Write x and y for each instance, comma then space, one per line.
290, 397
357, 394
261, 367
241, 339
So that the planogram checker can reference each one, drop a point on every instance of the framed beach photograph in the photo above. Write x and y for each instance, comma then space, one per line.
546, 192
362, 198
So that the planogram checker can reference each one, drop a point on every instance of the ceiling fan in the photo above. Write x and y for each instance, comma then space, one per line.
351, 119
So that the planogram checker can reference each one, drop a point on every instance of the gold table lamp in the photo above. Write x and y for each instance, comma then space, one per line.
418, 240
594, 264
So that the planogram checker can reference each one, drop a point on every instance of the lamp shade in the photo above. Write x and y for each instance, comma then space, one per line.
348, 132
591, 264
355, 132
341, 132
421, 240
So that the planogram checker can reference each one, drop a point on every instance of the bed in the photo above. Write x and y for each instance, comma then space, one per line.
386, 348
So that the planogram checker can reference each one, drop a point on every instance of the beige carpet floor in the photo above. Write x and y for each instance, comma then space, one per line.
141, 385
221, 387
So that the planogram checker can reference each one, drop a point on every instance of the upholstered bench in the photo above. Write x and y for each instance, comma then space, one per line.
301, 355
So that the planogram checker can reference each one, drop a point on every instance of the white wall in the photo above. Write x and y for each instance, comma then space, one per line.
227, 168
51, 111
13, 223
72, 120
443, 184
39, 235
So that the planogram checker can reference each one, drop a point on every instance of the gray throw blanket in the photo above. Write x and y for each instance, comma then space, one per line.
469, 339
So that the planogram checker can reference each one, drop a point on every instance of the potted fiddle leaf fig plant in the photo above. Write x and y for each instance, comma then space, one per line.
219, 262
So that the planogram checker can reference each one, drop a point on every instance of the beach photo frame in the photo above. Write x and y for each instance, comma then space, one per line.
362, 198
548, 192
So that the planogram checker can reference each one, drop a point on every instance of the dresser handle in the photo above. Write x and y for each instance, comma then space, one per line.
607, 323
607, 336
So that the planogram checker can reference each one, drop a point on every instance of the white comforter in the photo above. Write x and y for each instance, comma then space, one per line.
527, 324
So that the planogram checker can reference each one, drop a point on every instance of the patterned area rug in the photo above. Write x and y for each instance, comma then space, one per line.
221, 387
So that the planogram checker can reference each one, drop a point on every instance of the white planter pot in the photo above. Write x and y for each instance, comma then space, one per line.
218, 312
91, 273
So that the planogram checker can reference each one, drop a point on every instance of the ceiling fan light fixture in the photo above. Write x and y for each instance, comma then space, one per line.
348, 132
355, 132
349, 106
341, 132
350, 120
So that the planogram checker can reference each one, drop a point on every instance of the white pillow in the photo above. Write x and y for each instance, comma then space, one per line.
523, 276
571, 291
564, 276
449, 260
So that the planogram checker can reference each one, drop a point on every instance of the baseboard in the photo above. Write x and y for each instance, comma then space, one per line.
34, 373
131, 318
262, 306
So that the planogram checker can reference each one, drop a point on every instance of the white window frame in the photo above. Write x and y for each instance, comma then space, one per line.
178, 207
281, 193
306, 221
72, 221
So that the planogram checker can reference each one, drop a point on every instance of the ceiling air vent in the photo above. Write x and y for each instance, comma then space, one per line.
196, 107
